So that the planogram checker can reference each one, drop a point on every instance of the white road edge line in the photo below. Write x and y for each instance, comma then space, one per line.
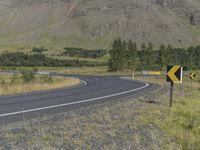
73, 103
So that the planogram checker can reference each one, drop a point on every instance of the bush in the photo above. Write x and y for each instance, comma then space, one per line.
46, 78
3, 82
14, 79
39, 50
35, 69
28, 75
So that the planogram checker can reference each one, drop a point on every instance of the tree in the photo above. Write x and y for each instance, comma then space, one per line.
149, 55
143, 47
168, 55
196, 58
123, 56
146, 56
132, 57
150, 46
114, 60
161, 60
118, 56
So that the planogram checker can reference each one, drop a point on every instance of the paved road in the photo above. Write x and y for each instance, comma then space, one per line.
92, 90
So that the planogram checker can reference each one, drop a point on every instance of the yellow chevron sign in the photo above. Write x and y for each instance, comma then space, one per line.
192, 76
174, 74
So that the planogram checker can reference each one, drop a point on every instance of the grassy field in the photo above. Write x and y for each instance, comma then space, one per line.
182, 121
8, 86
144, 123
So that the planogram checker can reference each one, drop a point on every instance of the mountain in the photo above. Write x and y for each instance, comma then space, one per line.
94, 23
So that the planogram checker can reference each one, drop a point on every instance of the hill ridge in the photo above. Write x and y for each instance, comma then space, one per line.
94, 23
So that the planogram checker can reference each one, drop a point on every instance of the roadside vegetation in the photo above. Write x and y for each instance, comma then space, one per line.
29, 82
182, 122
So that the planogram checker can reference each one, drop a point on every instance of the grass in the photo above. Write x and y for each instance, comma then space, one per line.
182, 121
7, 87
98, 70
69, 70
193, 31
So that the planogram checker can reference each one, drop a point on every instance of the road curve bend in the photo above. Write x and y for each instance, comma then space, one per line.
92, 90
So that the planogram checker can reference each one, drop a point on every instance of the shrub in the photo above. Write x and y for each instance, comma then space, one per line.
35, 69
14, 79
39, 50
28, 75
3, 82
46, 78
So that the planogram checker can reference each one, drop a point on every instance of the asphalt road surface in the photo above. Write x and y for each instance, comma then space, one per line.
93, 89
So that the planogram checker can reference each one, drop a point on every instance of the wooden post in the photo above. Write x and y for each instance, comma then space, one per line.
133, 76
171, 94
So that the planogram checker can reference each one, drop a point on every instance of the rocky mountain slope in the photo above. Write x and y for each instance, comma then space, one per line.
94, 23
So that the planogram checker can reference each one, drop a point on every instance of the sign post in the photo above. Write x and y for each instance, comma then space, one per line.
174, 75
171, 94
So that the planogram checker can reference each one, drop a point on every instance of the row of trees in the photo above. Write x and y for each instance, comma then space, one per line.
84, 53
75, 52
126, 56
19, 59
123, 56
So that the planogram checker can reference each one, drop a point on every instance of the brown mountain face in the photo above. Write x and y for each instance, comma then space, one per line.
95, 23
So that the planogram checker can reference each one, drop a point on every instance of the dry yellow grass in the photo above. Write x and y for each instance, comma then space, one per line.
195, 83
37, 85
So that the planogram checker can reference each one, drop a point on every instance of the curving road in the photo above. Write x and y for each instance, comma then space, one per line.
93, 89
